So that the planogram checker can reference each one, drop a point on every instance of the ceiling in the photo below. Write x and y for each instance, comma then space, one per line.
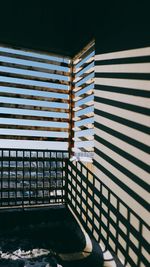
64, 26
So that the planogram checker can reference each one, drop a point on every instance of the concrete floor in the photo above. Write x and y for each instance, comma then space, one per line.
44, 238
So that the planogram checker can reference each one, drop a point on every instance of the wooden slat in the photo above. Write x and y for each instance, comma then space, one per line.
87, 99
31, 55
84, 52
36, 60
83, 62
33, 133
83, 88
83, 149
83, 106
34, 108
22, 127
84, 95
87, 68
86, 80
84, 133
79, 90
33, 78
34, 138
31, 65
85, 111
84, 127
33, 97
82, 139
84, 122
29, 102
38, 118
35, 82
85, 116
33, 92
38, 88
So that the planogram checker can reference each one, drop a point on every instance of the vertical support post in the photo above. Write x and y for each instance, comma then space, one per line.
66, 181
2, 180
71, 111
22, 189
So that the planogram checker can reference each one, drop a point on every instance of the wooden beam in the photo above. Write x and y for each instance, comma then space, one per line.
71, 112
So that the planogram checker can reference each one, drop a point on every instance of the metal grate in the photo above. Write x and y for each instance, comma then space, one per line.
32, 177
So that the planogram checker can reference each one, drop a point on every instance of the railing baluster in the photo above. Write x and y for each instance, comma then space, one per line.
16, 176
8, 177
23, 181
2, 180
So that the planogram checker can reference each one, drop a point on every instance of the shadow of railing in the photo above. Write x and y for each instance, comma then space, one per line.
103, 214
40, 178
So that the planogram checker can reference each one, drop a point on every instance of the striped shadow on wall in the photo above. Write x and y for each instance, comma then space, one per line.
122, 89
34, 95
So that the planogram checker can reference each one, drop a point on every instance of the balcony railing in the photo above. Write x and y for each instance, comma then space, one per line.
47, 101
35, 178
32, 177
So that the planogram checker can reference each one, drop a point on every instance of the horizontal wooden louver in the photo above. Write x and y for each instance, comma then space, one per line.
34, 95
83, 91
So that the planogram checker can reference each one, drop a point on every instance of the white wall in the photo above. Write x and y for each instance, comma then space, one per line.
122, 85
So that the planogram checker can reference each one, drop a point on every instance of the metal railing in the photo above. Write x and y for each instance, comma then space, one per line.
32, 177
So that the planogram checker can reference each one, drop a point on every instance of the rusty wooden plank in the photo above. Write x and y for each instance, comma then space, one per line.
36, 68
84, 127
79, 88
40, 56
85, 105
82, 76
33, 78
32, 87
84, 95
16, 106
84, 84
84, 66
31, 117
34, 138
88, 149
85, 116
40, 60
84, 87
21, 127
82, 139
33, 97
84, 52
